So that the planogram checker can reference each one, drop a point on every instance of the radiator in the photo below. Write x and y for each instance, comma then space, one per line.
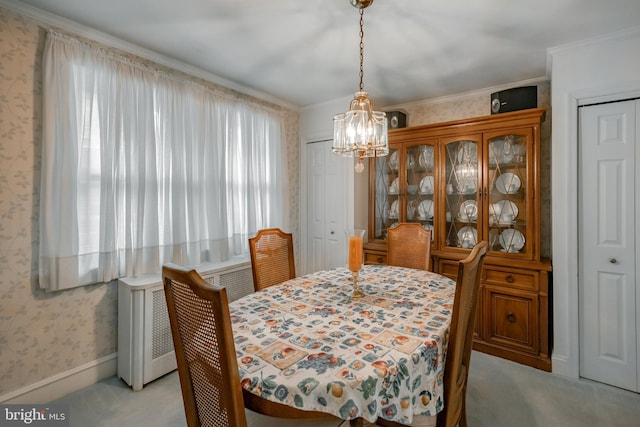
145, 345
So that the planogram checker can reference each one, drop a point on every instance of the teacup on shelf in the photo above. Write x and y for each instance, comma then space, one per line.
506, 218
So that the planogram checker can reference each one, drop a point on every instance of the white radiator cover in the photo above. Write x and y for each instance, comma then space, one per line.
145, 345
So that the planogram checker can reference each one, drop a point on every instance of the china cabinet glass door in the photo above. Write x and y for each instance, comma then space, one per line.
387, 193
509, 192
462, 196
404, 187
421, 185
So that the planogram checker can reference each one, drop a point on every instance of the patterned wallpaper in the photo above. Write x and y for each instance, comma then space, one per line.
292, 132
44, 334
478, 104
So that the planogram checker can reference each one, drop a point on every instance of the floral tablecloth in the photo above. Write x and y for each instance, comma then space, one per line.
307, 344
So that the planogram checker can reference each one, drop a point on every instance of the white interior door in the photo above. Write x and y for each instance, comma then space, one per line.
608, 288
327, 207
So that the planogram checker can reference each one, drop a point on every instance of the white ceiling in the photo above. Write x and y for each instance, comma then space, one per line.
306, 52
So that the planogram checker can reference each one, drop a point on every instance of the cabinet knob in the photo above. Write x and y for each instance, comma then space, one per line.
511, 317
380, 259
510, 279
613, 260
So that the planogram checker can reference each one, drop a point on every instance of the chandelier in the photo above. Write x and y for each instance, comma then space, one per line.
360, 132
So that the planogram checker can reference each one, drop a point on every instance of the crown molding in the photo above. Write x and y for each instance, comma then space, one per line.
629, 32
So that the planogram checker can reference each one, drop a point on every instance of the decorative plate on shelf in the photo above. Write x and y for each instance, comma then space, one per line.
411, 162
468, 211
393, 188
394, 161
508, 183
426, 185
511, 240
503, 209
425, 210
425, 160
467, 237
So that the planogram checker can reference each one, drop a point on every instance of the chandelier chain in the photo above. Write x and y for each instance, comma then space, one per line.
361, 48
361, 132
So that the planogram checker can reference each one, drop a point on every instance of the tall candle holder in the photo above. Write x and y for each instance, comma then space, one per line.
355, 239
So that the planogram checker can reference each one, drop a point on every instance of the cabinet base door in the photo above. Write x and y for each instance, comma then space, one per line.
512, 318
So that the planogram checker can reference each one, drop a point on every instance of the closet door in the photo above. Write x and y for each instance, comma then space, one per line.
608, 285
326, 189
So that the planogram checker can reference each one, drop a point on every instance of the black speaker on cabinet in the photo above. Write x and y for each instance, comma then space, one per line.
518, 98
396, 119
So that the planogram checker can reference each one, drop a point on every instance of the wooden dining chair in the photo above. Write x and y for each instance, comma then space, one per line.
409, 245
272, 259
205, 352
456, 368
206, 356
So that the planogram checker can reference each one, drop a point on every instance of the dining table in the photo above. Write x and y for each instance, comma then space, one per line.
309, 344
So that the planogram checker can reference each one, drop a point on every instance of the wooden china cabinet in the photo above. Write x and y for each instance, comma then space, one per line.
472, 180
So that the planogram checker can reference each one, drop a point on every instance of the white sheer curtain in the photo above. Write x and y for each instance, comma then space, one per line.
140, 168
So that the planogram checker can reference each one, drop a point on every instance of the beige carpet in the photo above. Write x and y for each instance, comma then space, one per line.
500, 394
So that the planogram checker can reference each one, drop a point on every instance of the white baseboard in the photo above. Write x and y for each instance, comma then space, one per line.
562, 366
60, 385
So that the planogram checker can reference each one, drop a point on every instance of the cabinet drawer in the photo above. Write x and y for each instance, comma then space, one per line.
510, 278
512, 318
374, 258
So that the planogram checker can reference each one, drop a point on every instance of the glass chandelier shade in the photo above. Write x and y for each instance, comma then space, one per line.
360, 132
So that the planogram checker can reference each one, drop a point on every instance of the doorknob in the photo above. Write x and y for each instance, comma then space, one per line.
333, 232
613, 260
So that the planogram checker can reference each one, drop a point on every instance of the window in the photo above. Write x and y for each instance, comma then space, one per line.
141, 168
